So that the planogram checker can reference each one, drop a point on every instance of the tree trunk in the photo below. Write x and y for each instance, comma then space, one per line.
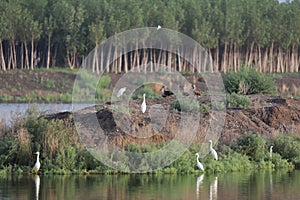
271, 59
48, 52
287, 59
120, 60
22, 56
224, 61
179, 59
125, 60
230, 58
265, 60
107, 63
216, 63
259, 59
14, 55
235, 57
155, 60
211, 67
159, 59
32, 53
54, 56
169, 61
101, 59
26, 56
251, 54
3, 64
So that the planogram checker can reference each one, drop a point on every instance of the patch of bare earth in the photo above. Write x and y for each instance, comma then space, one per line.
269, 115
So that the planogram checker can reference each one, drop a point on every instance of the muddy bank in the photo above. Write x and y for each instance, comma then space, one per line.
268, 115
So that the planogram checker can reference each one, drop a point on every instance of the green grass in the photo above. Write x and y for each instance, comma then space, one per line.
62, 152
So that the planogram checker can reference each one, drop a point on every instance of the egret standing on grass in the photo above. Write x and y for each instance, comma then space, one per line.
199, 164
121, 91
271, 151
144, 106
212, 151
37, 164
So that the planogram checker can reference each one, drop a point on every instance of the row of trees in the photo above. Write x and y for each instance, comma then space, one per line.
47, 33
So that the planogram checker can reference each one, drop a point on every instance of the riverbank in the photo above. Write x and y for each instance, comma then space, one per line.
56, 85
251, 124
241, 147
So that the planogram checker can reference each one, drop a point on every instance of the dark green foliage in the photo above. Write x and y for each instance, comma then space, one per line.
186, 105
288, 147
248, 81
251, 145
237, 101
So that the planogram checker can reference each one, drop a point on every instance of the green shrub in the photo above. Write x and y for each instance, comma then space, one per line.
251, 145
204, 108
248, 81
185, 105
104, 82
288, 147
238, 101
280, 162
66, 158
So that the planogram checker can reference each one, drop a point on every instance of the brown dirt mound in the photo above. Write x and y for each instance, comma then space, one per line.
270, 116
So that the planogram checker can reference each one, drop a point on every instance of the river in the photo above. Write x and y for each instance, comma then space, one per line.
9, 111
246, 185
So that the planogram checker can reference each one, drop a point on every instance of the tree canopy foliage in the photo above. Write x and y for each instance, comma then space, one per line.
47, 33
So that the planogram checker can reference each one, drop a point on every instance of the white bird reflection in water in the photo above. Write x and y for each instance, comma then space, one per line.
213, 189
199, 182
37, 186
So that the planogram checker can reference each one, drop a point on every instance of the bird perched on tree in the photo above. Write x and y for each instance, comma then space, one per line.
197, 92
144, 106
37, 164
165, 91
212, 151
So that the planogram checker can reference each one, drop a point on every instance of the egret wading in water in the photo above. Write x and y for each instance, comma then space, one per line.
271, 151
144, 106
199, 164
158, 27
121, 91
37, 164
212, 151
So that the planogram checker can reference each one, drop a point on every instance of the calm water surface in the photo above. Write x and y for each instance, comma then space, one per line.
252, 185
9, 111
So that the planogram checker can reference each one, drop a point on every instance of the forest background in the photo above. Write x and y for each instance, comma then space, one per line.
234, 33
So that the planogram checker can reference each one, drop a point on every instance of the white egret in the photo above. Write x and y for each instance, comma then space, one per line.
37, 164
271, 151
199, 164
158, 27
212, 151
144, 106
121, 91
